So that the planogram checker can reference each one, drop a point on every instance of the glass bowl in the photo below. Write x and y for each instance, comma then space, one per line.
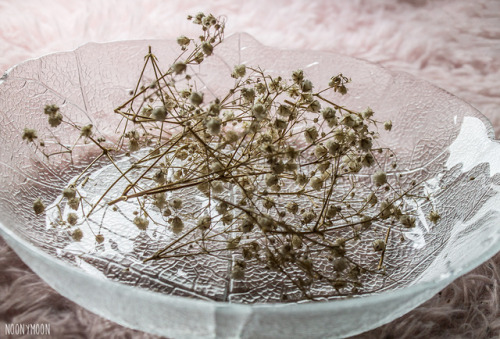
437, 137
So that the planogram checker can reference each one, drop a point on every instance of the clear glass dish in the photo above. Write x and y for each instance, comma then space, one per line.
436, 136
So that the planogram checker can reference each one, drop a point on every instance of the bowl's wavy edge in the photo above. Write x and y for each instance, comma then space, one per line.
434, 285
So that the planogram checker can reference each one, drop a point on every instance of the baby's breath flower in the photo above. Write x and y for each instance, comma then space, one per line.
69, 192
55, 119
308, 216
314, 106
133, 145
306, 86
284, 110
434, 216
259, 112
183, 41
292, 207
372, 199
141, 223
51, 109
72, 218
196, 98
280, 124
248, 94
179, 67
204, 222
368, 113
316, 183
74, 203
379, 178
159, 113
320, 151
227, 218
177, 224
407, 221
176, 203
86, 131
217, 187
301, 179
231, 137
214, 126
77, 234
99, 238
311, 134
207, 48
298, 76
29, 134
271, 179
379, 245
239, 71
38, 206
246, 225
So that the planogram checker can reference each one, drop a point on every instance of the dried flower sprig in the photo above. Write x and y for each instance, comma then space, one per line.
293, 183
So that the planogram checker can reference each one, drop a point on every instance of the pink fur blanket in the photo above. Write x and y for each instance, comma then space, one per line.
454, 44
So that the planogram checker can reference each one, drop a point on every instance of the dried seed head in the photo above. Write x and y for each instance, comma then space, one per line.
388, 125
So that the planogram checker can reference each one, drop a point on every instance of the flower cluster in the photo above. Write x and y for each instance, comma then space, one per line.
293, 182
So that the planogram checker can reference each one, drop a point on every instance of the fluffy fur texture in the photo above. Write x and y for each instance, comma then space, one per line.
453, 44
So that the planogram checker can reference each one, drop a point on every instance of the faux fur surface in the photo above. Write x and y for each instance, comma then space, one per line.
453, 44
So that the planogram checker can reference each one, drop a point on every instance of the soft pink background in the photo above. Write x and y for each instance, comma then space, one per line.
453, 44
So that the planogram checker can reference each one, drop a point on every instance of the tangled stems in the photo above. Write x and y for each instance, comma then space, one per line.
293, 183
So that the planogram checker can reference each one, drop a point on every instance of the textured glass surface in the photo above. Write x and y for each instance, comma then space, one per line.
437, 137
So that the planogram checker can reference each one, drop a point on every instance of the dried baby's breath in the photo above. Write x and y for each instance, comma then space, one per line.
293, 182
